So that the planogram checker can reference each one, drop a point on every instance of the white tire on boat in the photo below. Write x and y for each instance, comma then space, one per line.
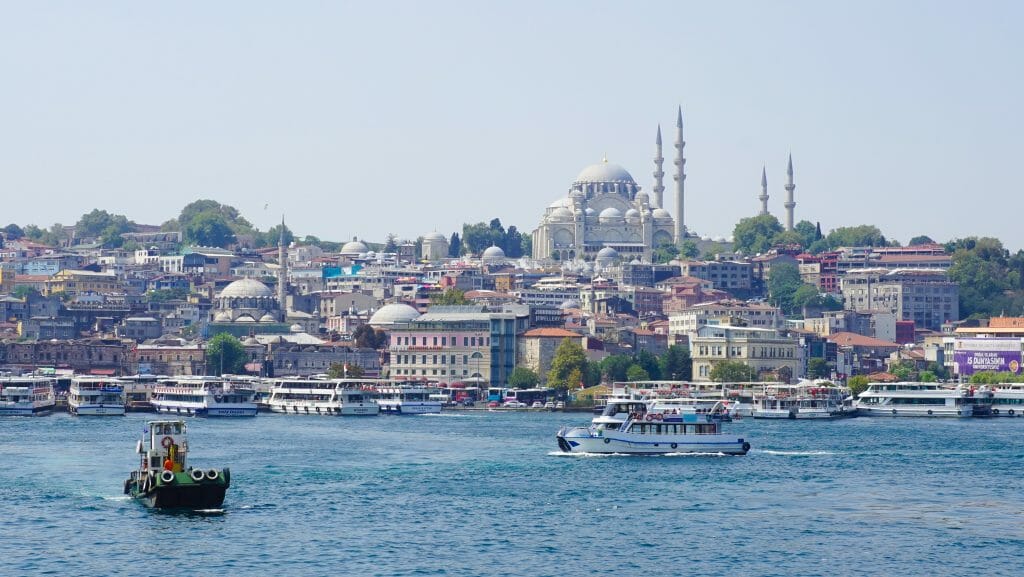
212, 474
167, 477
196, 474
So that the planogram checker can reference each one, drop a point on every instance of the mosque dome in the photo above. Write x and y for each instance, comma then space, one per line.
632, 213
661, 213
268, 318
246, 287
245, 319
561, 203
560, 213
494, 253
354, 246
609, 214
222, 317
605, 172
296, 328
607, 253
590, 211
392, 314
434, 237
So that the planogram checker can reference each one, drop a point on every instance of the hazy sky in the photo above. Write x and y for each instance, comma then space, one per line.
407, 117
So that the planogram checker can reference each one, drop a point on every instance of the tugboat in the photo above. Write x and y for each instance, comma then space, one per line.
163, 481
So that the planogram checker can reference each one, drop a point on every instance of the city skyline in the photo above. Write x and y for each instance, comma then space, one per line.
359, 120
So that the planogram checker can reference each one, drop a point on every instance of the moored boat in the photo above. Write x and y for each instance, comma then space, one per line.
650, 431
348, 397
96, 396
408, 400
164, 480
907, 399
26, 396
203, 397
807, 400
1007, 400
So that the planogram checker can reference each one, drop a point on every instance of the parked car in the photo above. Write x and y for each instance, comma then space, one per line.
550, 405
537, 405
493, 405
514, 405
560, 406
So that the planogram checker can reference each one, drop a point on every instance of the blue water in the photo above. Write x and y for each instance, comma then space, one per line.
488, 494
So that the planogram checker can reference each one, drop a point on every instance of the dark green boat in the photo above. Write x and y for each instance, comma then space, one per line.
164, 481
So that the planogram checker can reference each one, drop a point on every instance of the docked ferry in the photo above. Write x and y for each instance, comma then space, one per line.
806, 400
401, 400
138, 392
1007, 400
347, 397
203, 397
907, 399
26, 396
103, 396
652, 431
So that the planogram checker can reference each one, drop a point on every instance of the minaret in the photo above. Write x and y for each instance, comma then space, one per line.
764, 192
282, 274
659, 174
680, 176
789, 194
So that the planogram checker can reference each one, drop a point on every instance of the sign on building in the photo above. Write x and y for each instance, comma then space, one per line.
972, 356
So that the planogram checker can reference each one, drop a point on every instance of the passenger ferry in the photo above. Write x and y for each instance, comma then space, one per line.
651, 431
348, 397
138, 391
203, 397
26, 396
400, 400
922, 400
96, 396
1007, 400
807, 400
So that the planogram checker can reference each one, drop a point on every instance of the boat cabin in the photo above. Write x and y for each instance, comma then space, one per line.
164, 441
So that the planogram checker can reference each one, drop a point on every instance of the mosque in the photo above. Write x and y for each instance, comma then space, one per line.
607, 217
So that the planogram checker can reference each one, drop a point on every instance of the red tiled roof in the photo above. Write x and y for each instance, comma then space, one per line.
855, 340
550, 333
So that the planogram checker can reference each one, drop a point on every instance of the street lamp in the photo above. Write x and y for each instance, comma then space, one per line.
477, 355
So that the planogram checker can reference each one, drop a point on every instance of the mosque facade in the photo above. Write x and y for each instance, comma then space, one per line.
606, 216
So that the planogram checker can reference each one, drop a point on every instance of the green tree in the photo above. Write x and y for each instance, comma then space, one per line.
344, 371
391, 242
454, 246
637, 373
666, 253
927, 377
452, 296
13, 232
367, 337
568, 365
230, 215
676, 364
649, 363
818, 369
23, 292
783, 282
754, 234
808, 233
209, 229
164, 295
224, 355
591, 374
523, 378
918, 240
273, 236
863, 235
614, 367
857, 385
732, 372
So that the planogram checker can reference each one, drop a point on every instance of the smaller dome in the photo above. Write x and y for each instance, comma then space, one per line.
354, 246
392, 314
222, 317
434, 237
250, 341
635, 261
661, 213
268, 318
245, 319
493, 253
590, 211
610, 214
296, 328
561, 203
632, 213
642, 197
607, 253
560, 213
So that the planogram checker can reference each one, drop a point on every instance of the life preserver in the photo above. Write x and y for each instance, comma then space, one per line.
196, 474
894, 411
1010, 412
167, 477
211, 474
607, 440
929, 411
166, 442
674, 446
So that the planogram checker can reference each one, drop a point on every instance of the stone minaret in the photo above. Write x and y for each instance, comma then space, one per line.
790, 204
659, 174
764, 192
282, 274
680, 163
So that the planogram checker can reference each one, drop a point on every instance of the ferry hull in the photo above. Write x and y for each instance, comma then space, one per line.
182, 493
803, 415
97, 410
26, 411
208, 411
583, 440
908, 411
369, 410
411, 408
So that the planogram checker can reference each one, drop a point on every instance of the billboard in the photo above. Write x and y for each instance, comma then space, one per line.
980, 355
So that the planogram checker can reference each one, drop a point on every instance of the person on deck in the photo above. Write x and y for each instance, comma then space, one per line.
168, 464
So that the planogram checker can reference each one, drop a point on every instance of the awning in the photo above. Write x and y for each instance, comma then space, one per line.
103, 372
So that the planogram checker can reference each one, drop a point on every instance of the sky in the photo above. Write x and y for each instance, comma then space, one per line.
368, 118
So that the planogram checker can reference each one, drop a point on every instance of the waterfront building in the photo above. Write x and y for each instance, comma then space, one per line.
686, 322
726, 275
925, 296
764, 350
536, 348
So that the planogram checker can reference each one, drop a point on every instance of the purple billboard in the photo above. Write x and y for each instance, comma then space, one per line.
987, 355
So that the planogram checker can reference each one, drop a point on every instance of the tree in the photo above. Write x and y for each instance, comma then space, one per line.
666, 253
273, 236
754, 234
367, 337
637, 373
523, 378
676, 364
513, 243
164, 295
224, 355
230, 215
808, 232
454, 246
526, 244
13, 232
818, 369
452, 296
783, 282
23, 292
918, 240
614, 367
863, 235
209, 229
732, 372
568, 365
344, 371
391, 242
649, 363
857, 385
927, 377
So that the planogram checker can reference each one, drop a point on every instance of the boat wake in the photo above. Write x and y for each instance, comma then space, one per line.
588, 455
795, 453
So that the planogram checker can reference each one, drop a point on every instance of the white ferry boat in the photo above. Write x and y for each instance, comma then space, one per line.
1007, 400
96, 396
718, 408
322, 397
203, 397
26, 396
907, 399
806, 400
401, 400
138, 391
650, 432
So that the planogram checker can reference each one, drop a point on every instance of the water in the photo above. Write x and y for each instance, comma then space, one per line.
481, 493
